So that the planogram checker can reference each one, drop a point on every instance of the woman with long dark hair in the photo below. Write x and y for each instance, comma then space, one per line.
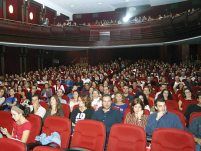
55, 108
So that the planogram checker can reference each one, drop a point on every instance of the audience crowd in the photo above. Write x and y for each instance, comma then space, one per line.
132, 20
120, 91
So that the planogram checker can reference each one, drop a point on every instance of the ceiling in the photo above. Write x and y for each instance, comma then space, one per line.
70, 7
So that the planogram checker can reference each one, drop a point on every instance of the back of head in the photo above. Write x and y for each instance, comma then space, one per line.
24, 110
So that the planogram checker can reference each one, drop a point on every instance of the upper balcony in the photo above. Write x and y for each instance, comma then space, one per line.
155, 32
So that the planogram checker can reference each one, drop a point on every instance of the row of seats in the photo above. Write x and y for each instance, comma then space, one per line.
172, 106
90, 135
63, 126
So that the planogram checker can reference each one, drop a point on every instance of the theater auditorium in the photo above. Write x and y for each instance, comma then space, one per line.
100, 75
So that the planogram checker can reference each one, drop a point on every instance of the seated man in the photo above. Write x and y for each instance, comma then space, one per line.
107, 114
162, 118
10, 101
193, 107
36, 108
195, 129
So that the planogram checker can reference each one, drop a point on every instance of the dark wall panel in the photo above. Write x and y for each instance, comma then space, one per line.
1, 8
12, 61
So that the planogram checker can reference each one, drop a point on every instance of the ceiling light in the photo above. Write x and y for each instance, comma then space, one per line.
99, 3
10, 9
31, 16
71, 5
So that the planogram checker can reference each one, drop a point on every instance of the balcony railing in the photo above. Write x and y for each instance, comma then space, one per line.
167, 29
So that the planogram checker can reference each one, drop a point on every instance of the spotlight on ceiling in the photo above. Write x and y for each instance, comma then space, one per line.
130, 12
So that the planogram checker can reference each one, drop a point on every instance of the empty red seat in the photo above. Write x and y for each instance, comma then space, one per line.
127, 137
125, 113
6, 120
66, 110
44, 104
194, 115
172, 105
36, 123
89, 134
46, 148
186, 103
7, 144
170, 139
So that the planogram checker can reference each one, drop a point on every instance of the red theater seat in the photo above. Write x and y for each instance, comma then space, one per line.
185, 104
6, 120
181, 116
170, 139
7, 144
36, 124
58, 124
125, 113
89, 134
127, 137
44, 104
193, 116
45, 148
66, 110
172, 105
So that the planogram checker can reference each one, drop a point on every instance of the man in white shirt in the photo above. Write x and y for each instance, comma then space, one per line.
36, 108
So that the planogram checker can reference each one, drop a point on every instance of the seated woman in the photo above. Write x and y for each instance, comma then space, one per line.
119, 103
185, 101
18, 93
165, 95
55, 108
147, 93
84, 111
143, 97
24, 100
21, 126
136, 115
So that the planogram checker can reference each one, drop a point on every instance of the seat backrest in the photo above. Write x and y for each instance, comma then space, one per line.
36, 123
66, 110
171, 139
127, 137
7, 144
6, 120
185, 104
180, 115
44, 104
172, 104
125, 113
89, 134
62, 125
194, 115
